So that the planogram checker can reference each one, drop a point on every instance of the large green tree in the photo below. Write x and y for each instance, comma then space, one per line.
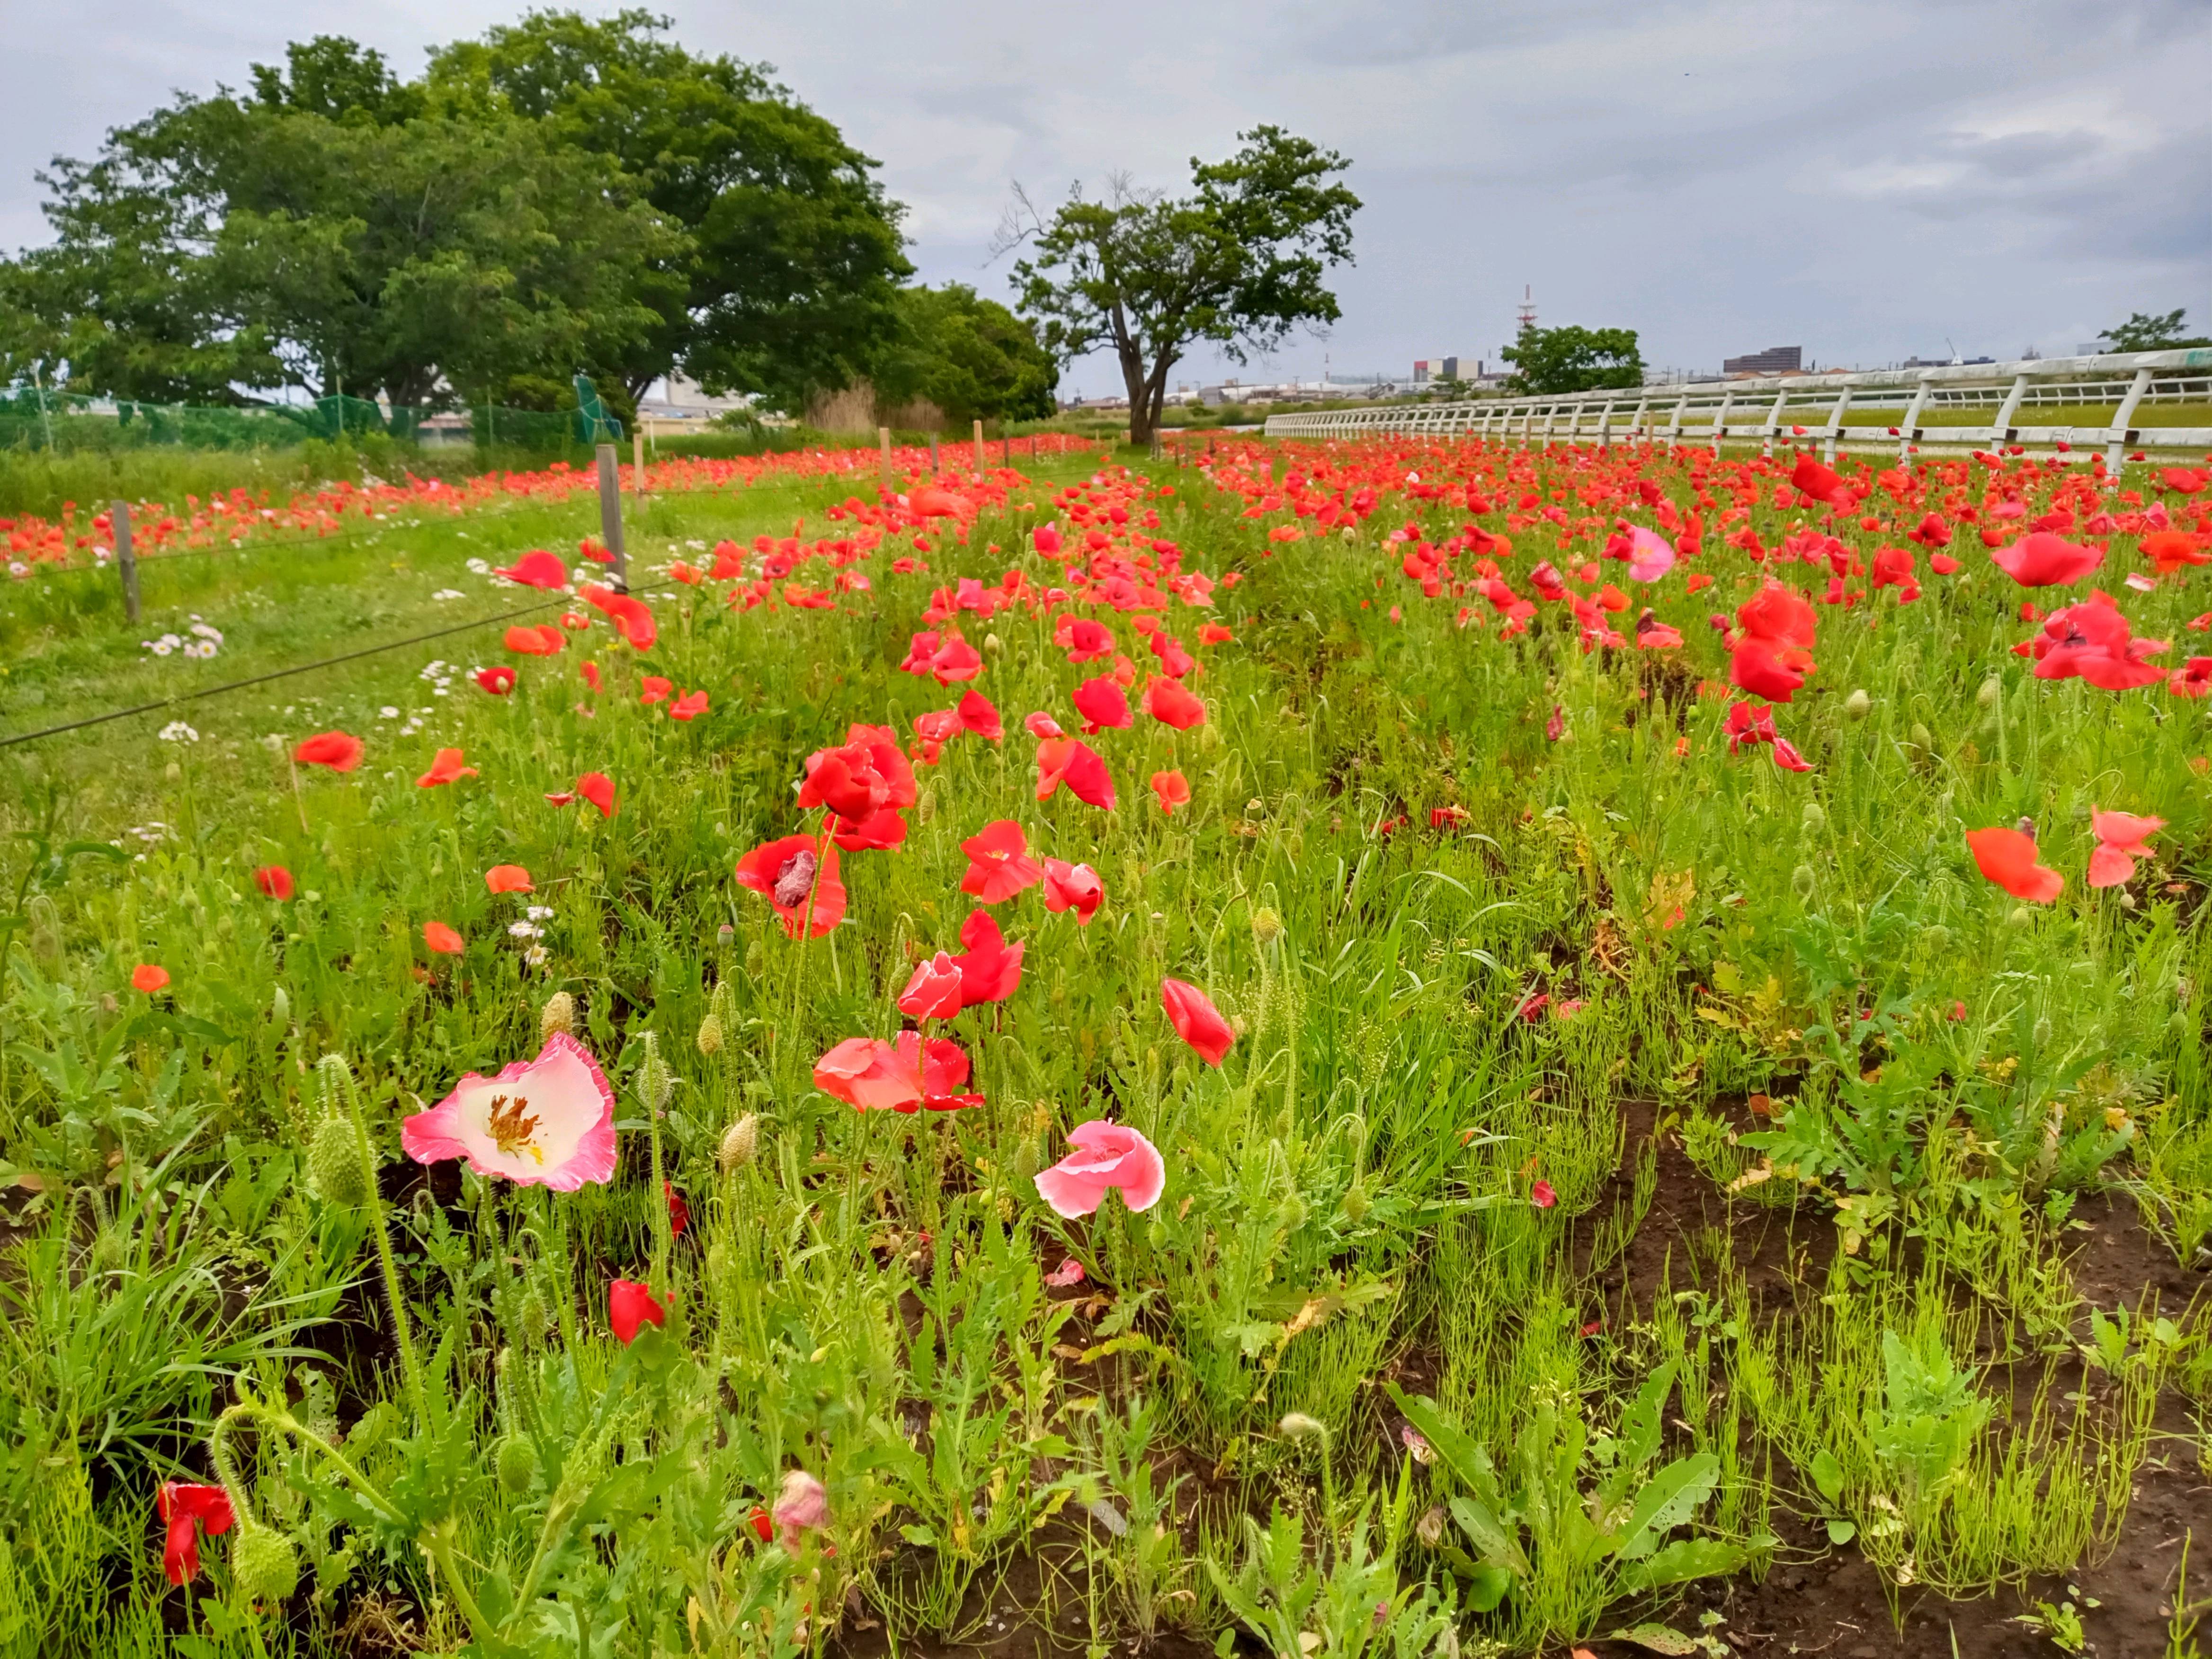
784, 282
2149, 331
1238, 262
970, 356
1571, 359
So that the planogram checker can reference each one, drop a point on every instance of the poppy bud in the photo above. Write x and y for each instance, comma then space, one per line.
516, 1464
1992, 689
1815, 817
993, 645
264, 1565
1858, 705
1355, 1203
710, 1037
740, 1143
530, 1311
2127, 900
280, 1008
756, 959
2022, 916
559, 1015
1937, 939
174, 772
335, 1169
925, 805
655, 1083
2043, 1031
1298, 1427
1801, 881
1267, 924
1024, 1165
1922, 738
1209, 736
2180, 1021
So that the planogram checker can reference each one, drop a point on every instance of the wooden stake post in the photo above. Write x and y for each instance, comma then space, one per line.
883, 438
979, 449
126, 561
610, 525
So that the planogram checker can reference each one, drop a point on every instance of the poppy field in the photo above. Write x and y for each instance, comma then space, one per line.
1394, 1048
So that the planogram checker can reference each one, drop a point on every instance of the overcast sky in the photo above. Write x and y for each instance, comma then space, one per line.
1868, 180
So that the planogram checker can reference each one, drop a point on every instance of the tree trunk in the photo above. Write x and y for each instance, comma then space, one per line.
1141, 413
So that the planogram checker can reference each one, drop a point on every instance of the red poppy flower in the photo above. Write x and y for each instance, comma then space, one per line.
933, 991
543, 641
679, 1213
1892, 568
2008, 857
1173, 790
1170, 704
508, 878
632, 618
999, 865
879, 832
1084, 640
2041, 559
442, 939
1943, 564
537, 569
1072, 887
785, 872
274, 882
1072, 762
184, 1508
598, 789
2120, 842
1822, 483
955, 662
1101, 704
990, 968
2192, 679
445, 766
689, 706
589, 671
499, 679
2091, 641
630, 1308
1196, 1020
149, 978
871, 1075
1766, 670
978, 716
1213, 634
890, 763
1541, 1194
2170, 549
846, 780
1042, 726
652, 689
338, 750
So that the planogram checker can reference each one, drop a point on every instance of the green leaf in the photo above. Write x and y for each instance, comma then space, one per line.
1671, 1498
1490, 1539
1840, 1531
1827, 1475
1486, 1587
1681, 1561
1657, 1638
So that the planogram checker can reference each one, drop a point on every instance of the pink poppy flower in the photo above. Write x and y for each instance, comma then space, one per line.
1196, 1020
2120, 842
1651, 556
934, 992
1072, 887
1106, 1155
803, 1506
549, 1121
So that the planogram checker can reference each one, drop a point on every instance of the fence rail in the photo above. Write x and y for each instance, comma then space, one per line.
1881, 410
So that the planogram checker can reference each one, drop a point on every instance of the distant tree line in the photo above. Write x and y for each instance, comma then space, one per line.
564, 193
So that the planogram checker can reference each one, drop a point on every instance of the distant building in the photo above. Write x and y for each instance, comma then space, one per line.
1774, 360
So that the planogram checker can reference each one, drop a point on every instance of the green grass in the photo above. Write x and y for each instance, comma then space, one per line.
1213, 1430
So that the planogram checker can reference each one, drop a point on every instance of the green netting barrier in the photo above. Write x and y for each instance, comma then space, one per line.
65, 423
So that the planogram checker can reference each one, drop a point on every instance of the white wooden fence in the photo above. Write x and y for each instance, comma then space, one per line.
1884, 409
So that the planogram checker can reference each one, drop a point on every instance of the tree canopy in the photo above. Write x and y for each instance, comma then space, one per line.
1571, 359
565, 193
1239, 262
2152, 331
970, 356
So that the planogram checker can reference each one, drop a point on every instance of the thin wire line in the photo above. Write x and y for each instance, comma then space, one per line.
11, 740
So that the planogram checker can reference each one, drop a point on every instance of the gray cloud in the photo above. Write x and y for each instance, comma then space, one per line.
1866, 178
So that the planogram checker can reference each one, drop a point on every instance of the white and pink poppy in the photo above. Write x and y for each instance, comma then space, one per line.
549, 1121
1106, 1155
1651, 556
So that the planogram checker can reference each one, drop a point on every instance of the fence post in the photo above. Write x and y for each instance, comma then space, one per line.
884, 443
610, 525
933, 463
979, 449
126, 561
637, 460
2117, 439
